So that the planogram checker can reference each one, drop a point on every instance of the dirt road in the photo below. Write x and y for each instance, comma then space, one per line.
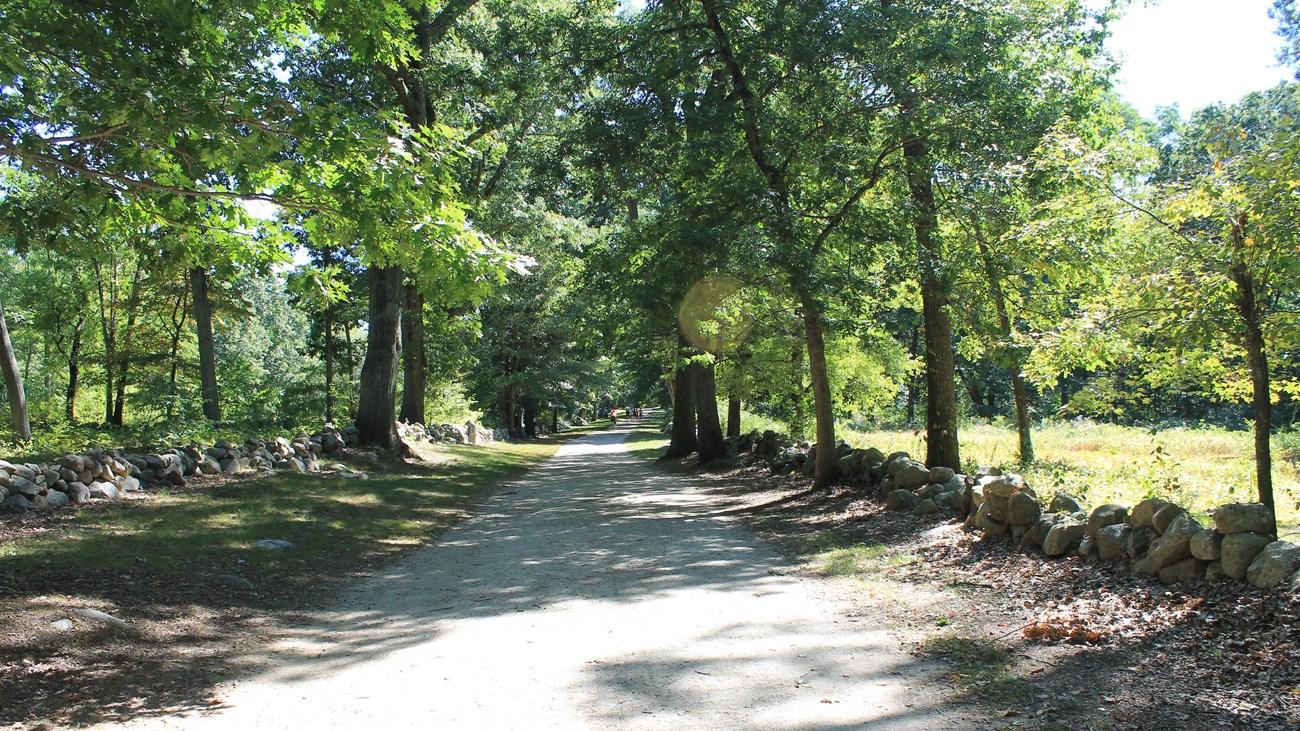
594, 592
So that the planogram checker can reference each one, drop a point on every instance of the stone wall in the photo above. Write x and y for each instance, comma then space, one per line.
1154, 537
108, 474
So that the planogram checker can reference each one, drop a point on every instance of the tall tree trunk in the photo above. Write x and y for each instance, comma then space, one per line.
1257, 359
107, 292
708, 428
516, 413
207, 345
413, 370
683, 441
177, 321
376, 409
733, 415
828, 467
940, 383
329, 364
1012, 356
18, 418
797, 417
555, 421
914, 350
74, 372
351, 362
124, 353
530, 418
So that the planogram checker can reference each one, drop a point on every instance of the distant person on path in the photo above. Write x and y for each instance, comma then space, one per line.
613, 418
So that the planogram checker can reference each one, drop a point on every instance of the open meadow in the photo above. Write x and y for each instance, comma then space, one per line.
1197, 468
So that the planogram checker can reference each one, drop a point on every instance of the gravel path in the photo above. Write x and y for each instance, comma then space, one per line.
592, 593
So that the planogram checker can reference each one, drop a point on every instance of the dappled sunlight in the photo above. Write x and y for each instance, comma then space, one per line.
592, 592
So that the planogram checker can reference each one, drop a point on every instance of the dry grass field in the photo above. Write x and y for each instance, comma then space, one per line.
1100, 463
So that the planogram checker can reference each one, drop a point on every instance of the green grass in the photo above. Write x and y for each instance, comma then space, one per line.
335, 523
647, 443
1196, 468
830, 554
980, 666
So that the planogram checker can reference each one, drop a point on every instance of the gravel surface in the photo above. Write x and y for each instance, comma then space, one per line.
594, 592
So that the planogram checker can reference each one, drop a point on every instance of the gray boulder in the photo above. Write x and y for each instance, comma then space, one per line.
103, 490
941, 474
1275, 564
1023, 508
1109, 514
78, 493
1087, 546
1188, 569
1239, 551
20, 485
1063, 536
1165, 516
209, 465
1214, 572
1037, 532
925, 507
911, 474
1144, 511
1243, 518
901, 500
1207, 545
991, 526
1174, 545
1064, 503
1112, 541
16, 504
57, 499
1139, 540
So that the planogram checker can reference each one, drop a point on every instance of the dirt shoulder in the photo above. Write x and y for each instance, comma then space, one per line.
1110, 649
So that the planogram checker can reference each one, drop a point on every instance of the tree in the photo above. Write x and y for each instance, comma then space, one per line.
13, 383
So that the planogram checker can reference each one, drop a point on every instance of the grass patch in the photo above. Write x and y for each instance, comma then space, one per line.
831, 555
647, 444
335, 523
1101, 463
981, 666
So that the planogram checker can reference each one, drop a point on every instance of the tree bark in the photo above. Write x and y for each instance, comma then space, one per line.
733, 415
828, 467
18, 418
329, 364
914, 350
940, 383
207, 346
708, 428
797, 418
74, 372
530, 418
683, 440
108, 329
1013, 358
124, 353
413, 370
376, 409
1257, 359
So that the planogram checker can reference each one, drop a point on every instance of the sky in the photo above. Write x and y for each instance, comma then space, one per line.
1195, 52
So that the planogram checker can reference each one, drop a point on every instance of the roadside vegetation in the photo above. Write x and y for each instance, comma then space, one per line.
1196, 467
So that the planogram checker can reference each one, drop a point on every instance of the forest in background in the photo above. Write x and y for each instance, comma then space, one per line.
902, 213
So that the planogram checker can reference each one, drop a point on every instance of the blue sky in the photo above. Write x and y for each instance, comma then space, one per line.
1195, 52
